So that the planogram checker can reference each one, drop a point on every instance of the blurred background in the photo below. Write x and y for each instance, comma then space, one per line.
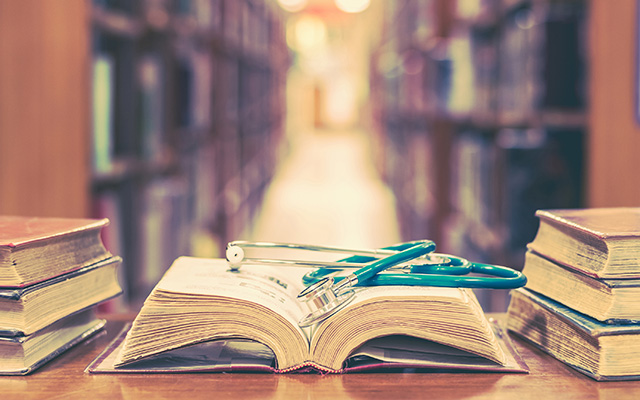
191, 123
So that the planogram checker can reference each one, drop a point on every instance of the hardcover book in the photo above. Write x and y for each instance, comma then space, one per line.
248, 320
34, 249
601, 242
607, 300
601, 351
22, 354
26, 310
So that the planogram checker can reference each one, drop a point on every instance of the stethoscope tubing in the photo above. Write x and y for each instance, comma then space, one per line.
502, 279
371, 263
370, 270
326, 293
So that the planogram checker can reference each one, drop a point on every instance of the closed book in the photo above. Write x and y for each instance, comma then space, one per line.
22, 355
24, 311
248, 320
607, 300
601, 242
34, 249
600, 351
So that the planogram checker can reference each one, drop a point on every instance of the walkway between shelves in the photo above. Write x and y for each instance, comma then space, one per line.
327, 191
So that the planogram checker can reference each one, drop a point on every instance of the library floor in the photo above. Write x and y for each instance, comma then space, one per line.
327, 191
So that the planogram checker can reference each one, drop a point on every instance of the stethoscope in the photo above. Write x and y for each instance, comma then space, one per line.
326, 293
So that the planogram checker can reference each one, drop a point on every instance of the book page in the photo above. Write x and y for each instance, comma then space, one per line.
273, 287
364, 294
418, 353
449, 316
406, 349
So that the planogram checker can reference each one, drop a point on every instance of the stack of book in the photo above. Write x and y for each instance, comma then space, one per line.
581, 303
53, 273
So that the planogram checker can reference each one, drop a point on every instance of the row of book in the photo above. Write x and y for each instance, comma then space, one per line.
510, 62
54, 274
187, 118
580, 303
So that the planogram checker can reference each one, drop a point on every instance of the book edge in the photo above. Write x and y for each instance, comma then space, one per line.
579, 320
16, 333
15, 293
592, 375
617, 282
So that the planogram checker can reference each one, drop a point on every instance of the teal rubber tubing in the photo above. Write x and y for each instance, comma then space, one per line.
371, 269
499, 278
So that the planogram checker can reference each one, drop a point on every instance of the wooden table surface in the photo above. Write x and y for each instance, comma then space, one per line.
64, 378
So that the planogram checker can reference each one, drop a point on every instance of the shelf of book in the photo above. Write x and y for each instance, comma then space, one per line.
187, 117
479, 121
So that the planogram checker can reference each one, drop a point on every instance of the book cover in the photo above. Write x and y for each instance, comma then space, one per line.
34, 249
599, 222
151, 104
103, 119
17, 231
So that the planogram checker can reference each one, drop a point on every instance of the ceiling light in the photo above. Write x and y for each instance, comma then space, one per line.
352, 6
292, 5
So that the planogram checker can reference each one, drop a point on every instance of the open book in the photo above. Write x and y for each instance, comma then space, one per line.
253, 314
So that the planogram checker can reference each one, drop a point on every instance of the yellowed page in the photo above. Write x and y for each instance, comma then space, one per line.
273, 287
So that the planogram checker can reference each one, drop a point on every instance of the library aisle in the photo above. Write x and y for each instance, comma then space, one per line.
326, 191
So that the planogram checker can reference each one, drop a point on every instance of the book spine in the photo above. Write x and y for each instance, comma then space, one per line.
309, 366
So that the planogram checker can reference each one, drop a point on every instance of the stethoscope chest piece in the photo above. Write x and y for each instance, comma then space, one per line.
323, 299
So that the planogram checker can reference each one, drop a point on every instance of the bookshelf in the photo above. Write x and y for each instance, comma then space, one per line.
187, 118
163, 115
46, 161
481, 119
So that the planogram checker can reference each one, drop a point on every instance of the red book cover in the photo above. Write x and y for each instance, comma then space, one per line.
18, 231
34, 249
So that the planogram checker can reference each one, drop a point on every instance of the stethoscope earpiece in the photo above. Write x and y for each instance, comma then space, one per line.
234, 255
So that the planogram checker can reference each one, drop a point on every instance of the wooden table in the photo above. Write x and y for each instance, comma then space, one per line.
64, 378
